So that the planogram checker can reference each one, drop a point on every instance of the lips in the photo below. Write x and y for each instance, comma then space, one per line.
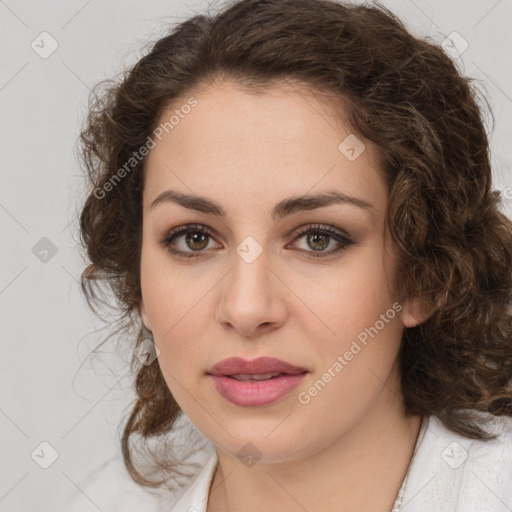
262, 367
255, 383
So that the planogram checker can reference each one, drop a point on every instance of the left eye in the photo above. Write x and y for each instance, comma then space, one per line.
196, 238
318, 240
319, 237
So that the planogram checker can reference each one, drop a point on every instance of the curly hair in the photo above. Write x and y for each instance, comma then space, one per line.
400, 92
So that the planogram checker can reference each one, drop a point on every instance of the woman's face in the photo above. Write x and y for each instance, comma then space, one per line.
320, 301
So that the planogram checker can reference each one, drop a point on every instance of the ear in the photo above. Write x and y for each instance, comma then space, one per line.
415, 312
144, 314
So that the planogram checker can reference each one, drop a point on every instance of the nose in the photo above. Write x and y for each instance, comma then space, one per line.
252, 299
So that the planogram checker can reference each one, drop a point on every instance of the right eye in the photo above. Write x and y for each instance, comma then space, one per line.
195, 238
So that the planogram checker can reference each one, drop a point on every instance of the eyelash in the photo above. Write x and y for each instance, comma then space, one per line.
316, 228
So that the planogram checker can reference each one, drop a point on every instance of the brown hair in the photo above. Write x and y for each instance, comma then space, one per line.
403, 94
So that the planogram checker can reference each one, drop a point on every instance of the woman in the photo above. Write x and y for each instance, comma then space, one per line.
291, 201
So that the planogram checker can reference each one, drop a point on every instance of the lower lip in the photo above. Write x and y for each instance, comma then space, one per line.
256, 393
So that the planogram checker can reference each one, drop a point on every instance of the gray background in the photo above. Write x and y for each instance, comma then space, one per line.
50, 390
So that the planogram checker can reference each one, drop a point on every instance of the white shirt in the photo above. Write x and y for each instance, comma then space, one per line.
448, 473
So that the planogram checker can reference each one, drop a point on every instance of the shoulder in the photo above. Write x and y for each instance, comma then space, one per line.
451, 472
109, 487
479, 453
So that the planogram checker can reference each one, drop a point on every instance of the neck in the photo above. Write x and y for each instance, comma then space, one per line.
362, 469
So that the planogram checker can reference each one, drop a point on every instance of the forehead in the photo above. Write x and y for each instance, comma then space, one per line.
278, 142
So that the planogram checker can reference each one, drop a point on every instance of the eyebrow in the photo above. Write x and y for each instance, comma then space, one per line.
282, 209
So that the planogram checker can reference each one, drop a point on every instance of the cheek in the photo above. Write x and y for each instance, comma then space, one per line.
169, 290
172, 300
354, 368
354, 296
360, 322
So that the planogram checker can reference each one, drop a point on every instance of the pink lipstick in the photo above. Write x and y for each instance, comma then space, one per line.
257, 382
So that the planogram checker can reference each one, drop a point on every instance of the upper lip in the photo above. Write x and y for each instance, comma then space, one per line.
261, 365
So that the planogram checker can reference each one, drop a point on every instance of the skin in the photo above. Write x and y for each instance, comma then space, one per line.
350, 446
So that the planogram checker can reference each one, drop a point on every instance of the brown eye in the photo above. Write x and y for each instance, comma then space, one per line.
318, 241
195, 240
319, 237
196, 237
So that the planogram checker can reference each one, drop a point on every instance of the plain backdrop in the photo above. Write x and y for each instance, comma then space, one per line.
51, 392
